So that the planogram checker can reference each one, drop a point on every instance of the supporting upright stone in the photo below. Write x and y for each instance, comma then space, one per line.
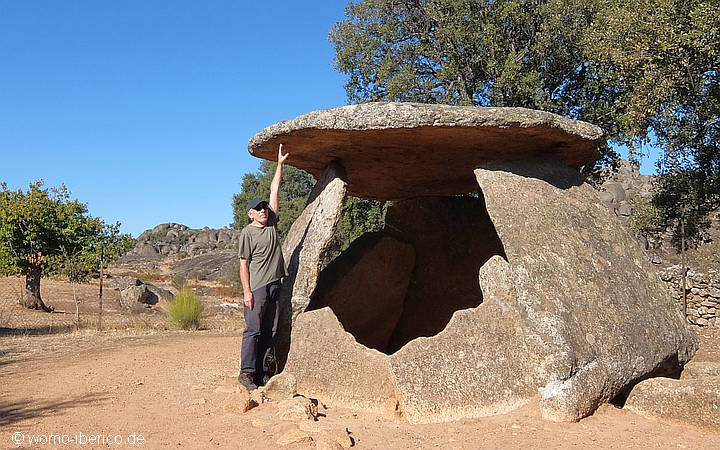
592, 304
305, 247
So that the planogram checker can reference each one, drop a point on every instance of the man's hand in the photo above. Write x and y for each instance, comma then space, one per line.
275, 184
248, 299
281, 157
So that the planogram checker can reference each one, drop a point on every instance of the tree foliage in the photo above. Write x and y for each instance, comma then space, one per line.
663, 56
43, 232
295, 187
358, 215
643, 70
471, 52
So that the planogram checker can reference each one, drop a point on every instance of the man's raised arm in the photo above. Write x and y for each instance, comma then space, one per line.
275, 185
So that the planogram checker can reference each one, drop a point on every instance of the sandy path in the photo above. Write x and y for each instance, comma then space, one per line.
165, 388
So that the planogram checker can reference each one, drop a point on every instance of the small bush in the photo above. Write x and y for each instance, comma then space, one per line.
645, 218
185, 310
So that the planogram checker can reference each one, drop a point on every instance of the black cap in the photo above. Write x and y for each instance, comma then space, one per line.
254, 202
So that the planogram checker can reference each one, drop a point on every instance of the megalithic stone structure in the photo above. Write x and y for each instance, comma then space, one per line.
499, 278
304, 250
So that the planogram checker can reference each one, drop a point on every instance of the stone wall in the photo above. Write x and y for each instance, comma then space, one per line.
703, 294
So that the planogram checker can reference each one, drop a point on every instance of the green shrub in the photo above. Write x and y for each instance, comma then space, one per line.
185, 310
645, 218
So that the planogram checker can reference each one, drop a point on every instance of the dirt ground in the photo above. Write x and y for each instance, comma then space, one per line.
169, 388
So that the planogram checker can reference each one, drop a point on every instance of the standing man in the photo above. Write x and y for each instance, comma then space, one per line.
261, 268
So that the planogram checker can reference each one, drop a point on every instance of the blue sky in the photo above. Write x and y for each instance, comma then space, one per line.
144, 108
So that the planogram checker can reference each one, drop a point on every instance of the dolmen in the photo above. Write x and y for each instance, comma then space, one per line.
498, 280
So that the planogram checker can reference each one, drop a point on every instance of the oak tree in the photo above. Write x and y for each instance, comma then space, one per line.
44, 232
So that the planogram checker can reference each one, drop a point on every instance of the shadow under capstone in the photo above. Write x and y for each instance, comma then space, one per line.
406, 281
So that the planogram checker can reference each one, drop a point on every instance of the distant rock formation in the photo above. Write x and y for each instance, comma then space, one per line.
205, 253
617, 191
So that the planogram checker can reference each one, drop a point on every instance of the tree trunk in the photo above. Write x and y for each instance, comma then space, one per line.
31, 297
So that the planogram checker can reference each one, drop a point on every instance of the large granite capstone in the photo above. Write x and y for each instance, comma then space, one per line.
499, 279
393, 151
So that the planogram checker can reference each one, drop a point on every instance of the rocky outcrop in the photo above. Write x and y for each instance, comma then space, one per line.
394, 151
172, 241
212, 265
622, 185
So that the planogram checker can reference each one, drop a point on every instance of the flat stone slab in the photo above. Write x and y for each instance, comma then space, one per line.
393, 151
691, 402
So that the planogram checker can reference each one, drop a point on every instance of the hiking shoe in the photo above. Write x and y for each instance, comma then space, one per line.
246, 380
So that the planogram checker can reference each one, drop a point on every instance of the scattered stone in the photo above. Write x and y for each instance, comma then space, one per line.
694, 402
259, 423
122, 283
298, 408
700, 369
137, 294
282, 383
294, 436
327, 443
258, 396
160, 293
239, 402
341, 438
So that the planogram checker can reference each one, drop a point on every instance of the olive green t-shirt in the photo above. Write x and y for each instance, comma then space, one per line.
261, 246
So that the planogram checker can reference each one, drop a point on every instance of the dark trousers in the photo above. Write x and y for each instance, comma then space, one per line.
260, 327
